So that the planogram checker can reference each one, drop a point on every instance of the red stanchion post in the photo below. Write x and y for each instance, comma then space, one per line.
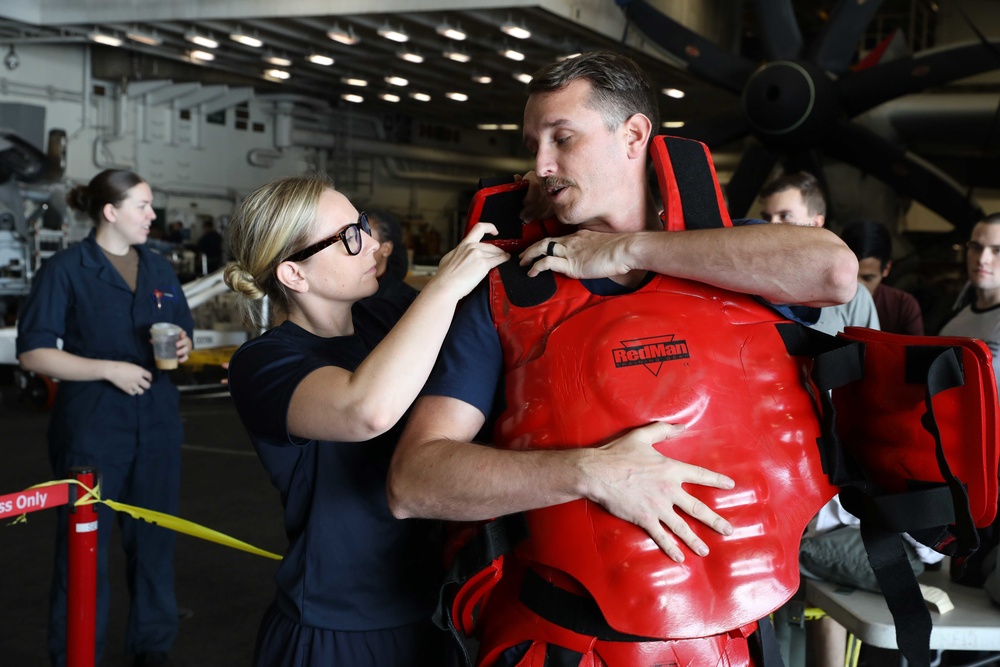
81, 583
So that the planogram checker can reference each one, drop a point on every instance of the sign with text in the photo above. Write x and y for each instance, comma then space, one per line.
33, 500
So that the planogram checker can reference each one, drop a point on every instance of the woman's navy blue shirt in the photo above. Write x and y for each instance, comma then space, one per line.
349, 564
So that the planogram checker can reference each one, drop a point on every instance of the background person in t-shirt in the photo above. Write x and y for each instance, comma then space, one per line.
898, 311
797, 199
981, 318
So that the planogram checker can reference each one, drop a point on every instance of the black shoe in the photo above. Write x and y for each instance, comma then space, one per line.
155, 659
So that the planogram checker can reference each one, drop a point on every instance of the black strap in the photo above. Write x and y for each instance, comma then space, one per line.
560, 656
695, 183
569, 610
582, 615
946, 372
492, 540
836, 363
522, 291
764, 646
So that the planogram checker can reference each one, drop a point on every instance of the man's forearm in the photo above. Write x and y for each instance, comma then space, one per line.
781, 263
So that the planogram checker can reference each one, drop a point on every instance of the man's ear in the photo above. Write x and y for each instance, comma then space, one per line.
819, 220
887, 269
385, 248
639, 132
290, 275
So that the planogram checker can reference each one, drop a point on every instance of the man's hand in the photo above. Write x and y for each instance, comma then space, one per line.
583, 254
636, 483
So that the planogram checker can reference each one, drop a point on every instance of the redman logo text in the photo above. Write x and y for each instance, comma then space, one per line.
650, 352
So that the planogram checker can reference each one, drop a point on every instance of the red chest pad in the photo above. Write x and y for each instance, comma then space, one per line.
686, 353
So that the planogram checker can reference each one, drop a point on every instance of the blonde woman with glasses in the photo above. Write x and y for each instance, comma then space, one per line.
323, 408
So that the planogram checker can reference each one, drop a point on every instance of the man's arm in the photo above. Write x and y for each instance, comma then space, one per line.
437, 472
781, 263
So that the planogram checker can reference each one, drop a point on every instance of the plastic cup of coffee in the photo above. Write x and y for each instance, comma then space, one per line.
165, 336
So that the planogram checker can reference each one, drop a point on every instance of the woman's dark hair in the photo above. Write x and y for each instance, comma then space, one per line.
868, 238
108, 187
390, 229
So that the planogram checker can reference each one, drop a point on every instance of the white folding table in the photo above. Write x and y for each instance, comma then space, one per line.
973, 625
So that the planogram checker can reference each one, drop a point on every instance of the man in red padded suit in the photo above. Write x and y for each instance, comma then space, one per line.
590, 487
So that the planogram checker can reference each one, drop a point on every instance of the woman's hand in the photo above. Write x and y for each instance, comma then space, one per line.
130, 378
184, 347
468, 263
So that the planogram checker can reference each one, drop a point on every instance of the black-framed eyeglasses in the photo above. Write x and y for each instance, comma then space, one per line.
350, 235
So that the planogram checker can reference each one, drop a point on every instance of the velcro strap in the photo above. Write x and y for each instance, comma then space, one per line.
569, 610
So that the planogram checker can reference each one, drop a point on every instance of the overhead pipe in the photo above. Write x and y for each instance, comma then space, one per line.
287, 133
426, 154
392, 166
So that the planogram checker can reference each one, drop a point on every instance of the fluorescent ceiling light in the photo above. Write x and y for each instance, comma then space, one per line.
458, 97
246, 40
278, 61
320, 59
673, 123
498, 126
147, 38
195, 37
568, 56
107, 40
512, 54
447, 30
420, 97
389, 97
482, 78
456, 55
279, 74
352, 97
205, 56
337, 34
354, 81
515, 30
410, 56
522, 77
396, 81
392, 34
675, 93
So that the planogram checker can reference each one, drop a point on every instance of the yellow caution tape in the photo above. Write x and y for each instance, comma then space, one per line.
187, 527
93, 496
